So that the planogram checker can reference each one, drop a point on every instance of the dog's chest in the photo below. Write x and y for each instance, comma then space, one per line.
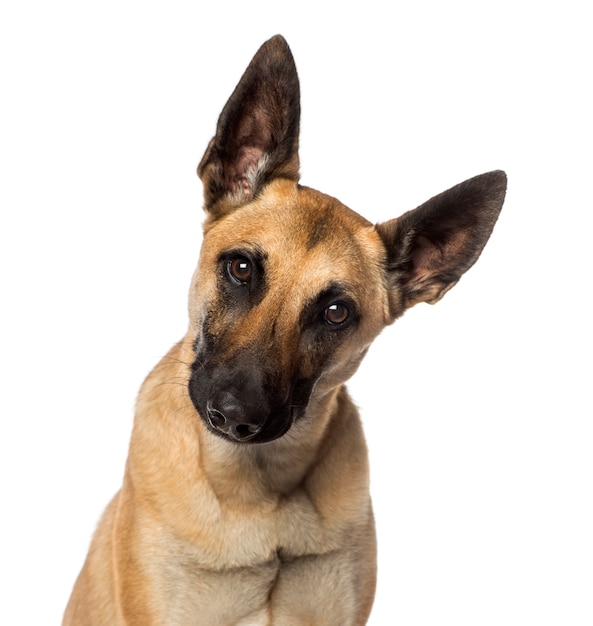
275, 593
231, 576
203, 597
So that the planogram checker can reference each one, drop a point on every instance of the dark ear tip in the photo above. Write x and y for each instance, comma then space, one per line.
491, 185
277, 45
496, 179
277, 40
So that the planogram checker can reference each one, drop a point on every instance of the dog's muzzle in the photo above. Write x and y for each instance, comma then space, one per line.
246, 401
241, 408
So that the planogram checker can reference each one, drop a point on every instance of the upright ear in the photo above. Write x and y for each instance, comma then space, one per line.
429, 248
257, 133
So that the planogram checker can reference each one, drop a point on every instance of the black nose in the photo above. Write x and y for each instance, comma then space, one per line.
228, 416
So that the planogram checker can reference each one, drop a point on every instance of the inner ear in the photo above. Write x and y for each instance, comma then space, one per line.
431, 247
256, 137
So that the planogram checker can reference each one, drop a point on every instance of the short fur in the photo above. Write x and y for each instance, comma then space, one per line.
245, 499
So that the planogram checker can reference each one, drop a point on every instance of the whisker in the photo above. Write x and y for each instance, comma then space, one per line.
171, 382
172, 359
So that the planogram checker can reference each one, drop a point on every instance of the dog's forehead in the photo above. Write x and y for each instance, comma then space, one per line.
289, 222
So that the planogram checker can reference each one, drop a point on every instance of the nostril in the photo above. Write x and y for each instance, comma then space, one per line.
216, 418
245, 430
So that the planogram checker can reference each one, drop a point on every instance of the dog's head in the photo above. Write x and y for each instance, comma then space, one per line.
292, 286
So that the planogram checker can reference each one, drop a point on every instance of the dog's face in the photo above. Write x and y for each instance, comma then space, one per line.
288, 295
292, 286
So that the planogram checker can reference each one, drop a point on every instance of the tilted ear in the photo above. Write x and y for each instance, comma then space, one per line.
429, 248
258, 131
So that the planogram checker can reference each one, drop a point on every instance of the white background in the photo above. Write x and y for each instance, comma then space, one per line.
477, 411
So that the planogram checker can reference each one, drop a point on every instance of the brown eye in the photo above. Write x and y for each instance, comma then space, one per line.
336, 313
240, 269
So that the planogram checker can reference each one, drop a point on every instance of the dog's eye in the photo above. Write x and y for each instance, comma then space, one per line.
240, 269
336, 314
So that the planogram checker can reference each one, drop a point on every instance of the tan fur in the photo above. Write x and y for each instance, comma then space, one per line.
207, 530
195, 511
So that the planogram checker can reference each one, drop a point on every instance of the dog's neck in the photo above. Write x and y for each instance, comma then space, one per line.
279, 467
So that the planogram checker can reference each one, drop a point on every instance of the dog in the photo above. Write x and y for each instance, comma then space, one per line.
245, 499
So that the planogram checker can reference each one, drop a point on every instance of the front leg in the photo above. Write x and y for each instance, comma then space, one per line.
334, 589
